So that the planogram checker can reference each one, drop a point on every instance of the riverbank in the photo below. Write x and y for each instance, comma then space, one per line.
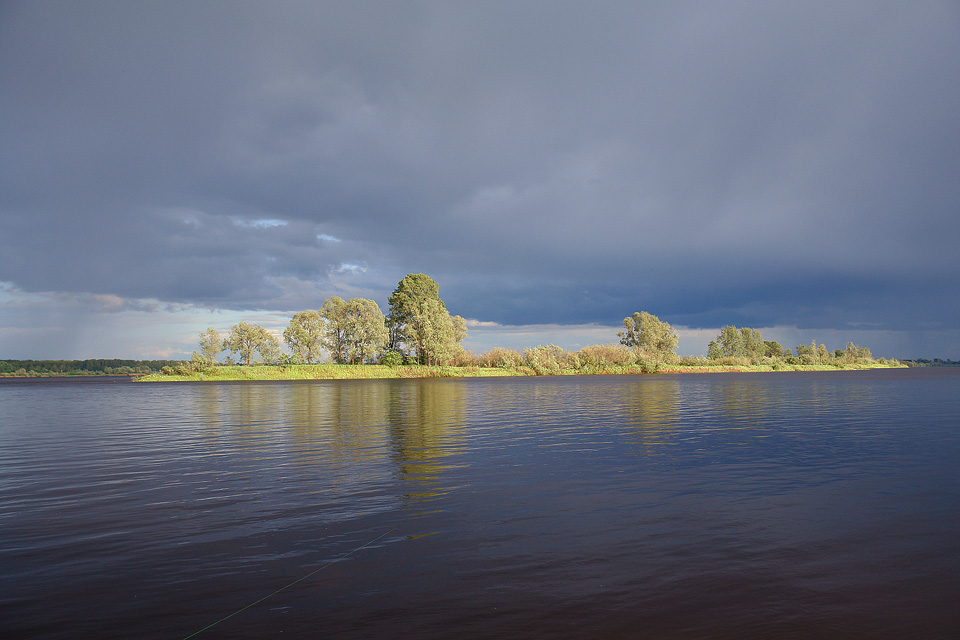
226, 373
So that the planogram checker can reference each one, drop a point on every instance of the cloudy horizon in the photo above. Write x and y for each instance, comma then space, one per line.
554, 167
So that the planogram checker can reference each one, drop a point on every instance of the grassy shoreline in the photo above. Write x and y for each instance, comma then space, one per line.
228, 373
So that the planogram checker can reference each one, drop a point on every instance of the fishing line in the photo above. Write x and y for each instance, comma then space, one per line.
298, 580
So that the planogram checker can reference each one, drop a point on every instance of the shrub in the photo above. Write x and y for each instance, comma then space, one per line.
649, 363
600, 356
463, 358
544, 360
501, 358
199, 363
179, 369
733, 361
391, 359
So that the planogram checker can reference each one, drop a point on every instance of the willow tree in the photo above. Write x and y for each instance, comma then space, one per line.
353, 330
744, 342
438, 333
210, 345
366, 330
334, 340
304, 336
247, 339
729, 342
646, 331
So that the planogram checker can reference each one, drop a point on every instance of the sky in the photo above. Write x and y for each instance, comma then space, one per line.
554, 166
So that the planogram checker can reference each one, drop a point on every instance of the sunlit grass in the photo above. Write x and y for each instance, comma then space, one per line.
327, 372
375, 371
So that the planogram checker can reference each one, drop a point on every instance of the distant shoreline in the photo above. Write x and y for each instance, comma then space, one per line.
230, 373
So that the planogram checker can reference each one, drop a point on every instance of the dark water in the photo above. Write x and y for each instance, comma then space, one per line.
800, 505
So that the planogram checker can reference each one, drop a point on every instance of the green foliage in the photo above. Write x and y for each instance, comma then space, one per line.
354, 330
600, 357
729, 343
392, 359
245, 340
714, 350
269, 349
334, 338
464, 358
200, 362
366, 331
419, 320
646, 331
544, 360
501, 358
304, 336
854, 354
210, 346
754, 346
745, 343
93, 367
773, 349
406, 303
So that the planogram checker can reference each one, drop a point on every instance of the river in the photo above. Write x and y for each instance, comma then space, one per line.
787, 505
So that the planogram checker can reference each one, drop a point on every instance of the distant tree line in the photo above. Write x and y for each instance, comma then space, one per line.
745, 345
95, 367
936, 362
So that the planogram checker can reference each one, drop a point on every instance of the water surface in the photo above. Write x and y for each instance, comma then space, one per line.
678, 506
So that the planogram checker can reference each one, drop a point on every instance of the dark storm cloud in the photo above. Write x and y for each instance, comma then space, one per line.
750, 163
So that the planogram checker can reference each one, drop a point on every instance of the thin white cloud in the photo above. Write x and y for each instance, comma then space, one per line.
263, 223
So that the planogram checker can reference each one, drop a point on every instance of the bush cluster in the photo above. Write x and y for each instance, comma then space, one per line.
554, 360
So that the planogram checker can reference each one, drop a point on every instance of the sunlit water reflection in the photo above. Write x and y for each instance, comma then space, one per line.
735, 505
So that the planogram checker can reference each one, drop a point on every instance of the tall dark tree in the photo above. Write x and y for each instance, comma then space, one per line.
419, 320
408, 304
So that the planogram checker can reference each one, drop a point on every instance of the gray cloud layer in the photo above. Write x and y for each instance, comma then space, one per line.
754, 163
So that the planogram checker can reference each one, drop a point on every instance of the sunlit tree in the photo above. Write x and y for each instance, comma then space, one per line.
247, 339
773, 349
210, 345
752, 342
354, 330
366, 330
646, 331
304, 336
730, 342
437, 333
419, 320
334, 335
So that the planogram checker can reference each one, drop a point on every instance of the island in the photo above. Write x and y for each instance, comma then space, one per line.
418, 338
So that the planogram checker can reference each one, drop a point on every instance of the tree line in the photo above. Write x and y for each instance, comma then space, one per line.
92, 367
745, 345
418, 329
